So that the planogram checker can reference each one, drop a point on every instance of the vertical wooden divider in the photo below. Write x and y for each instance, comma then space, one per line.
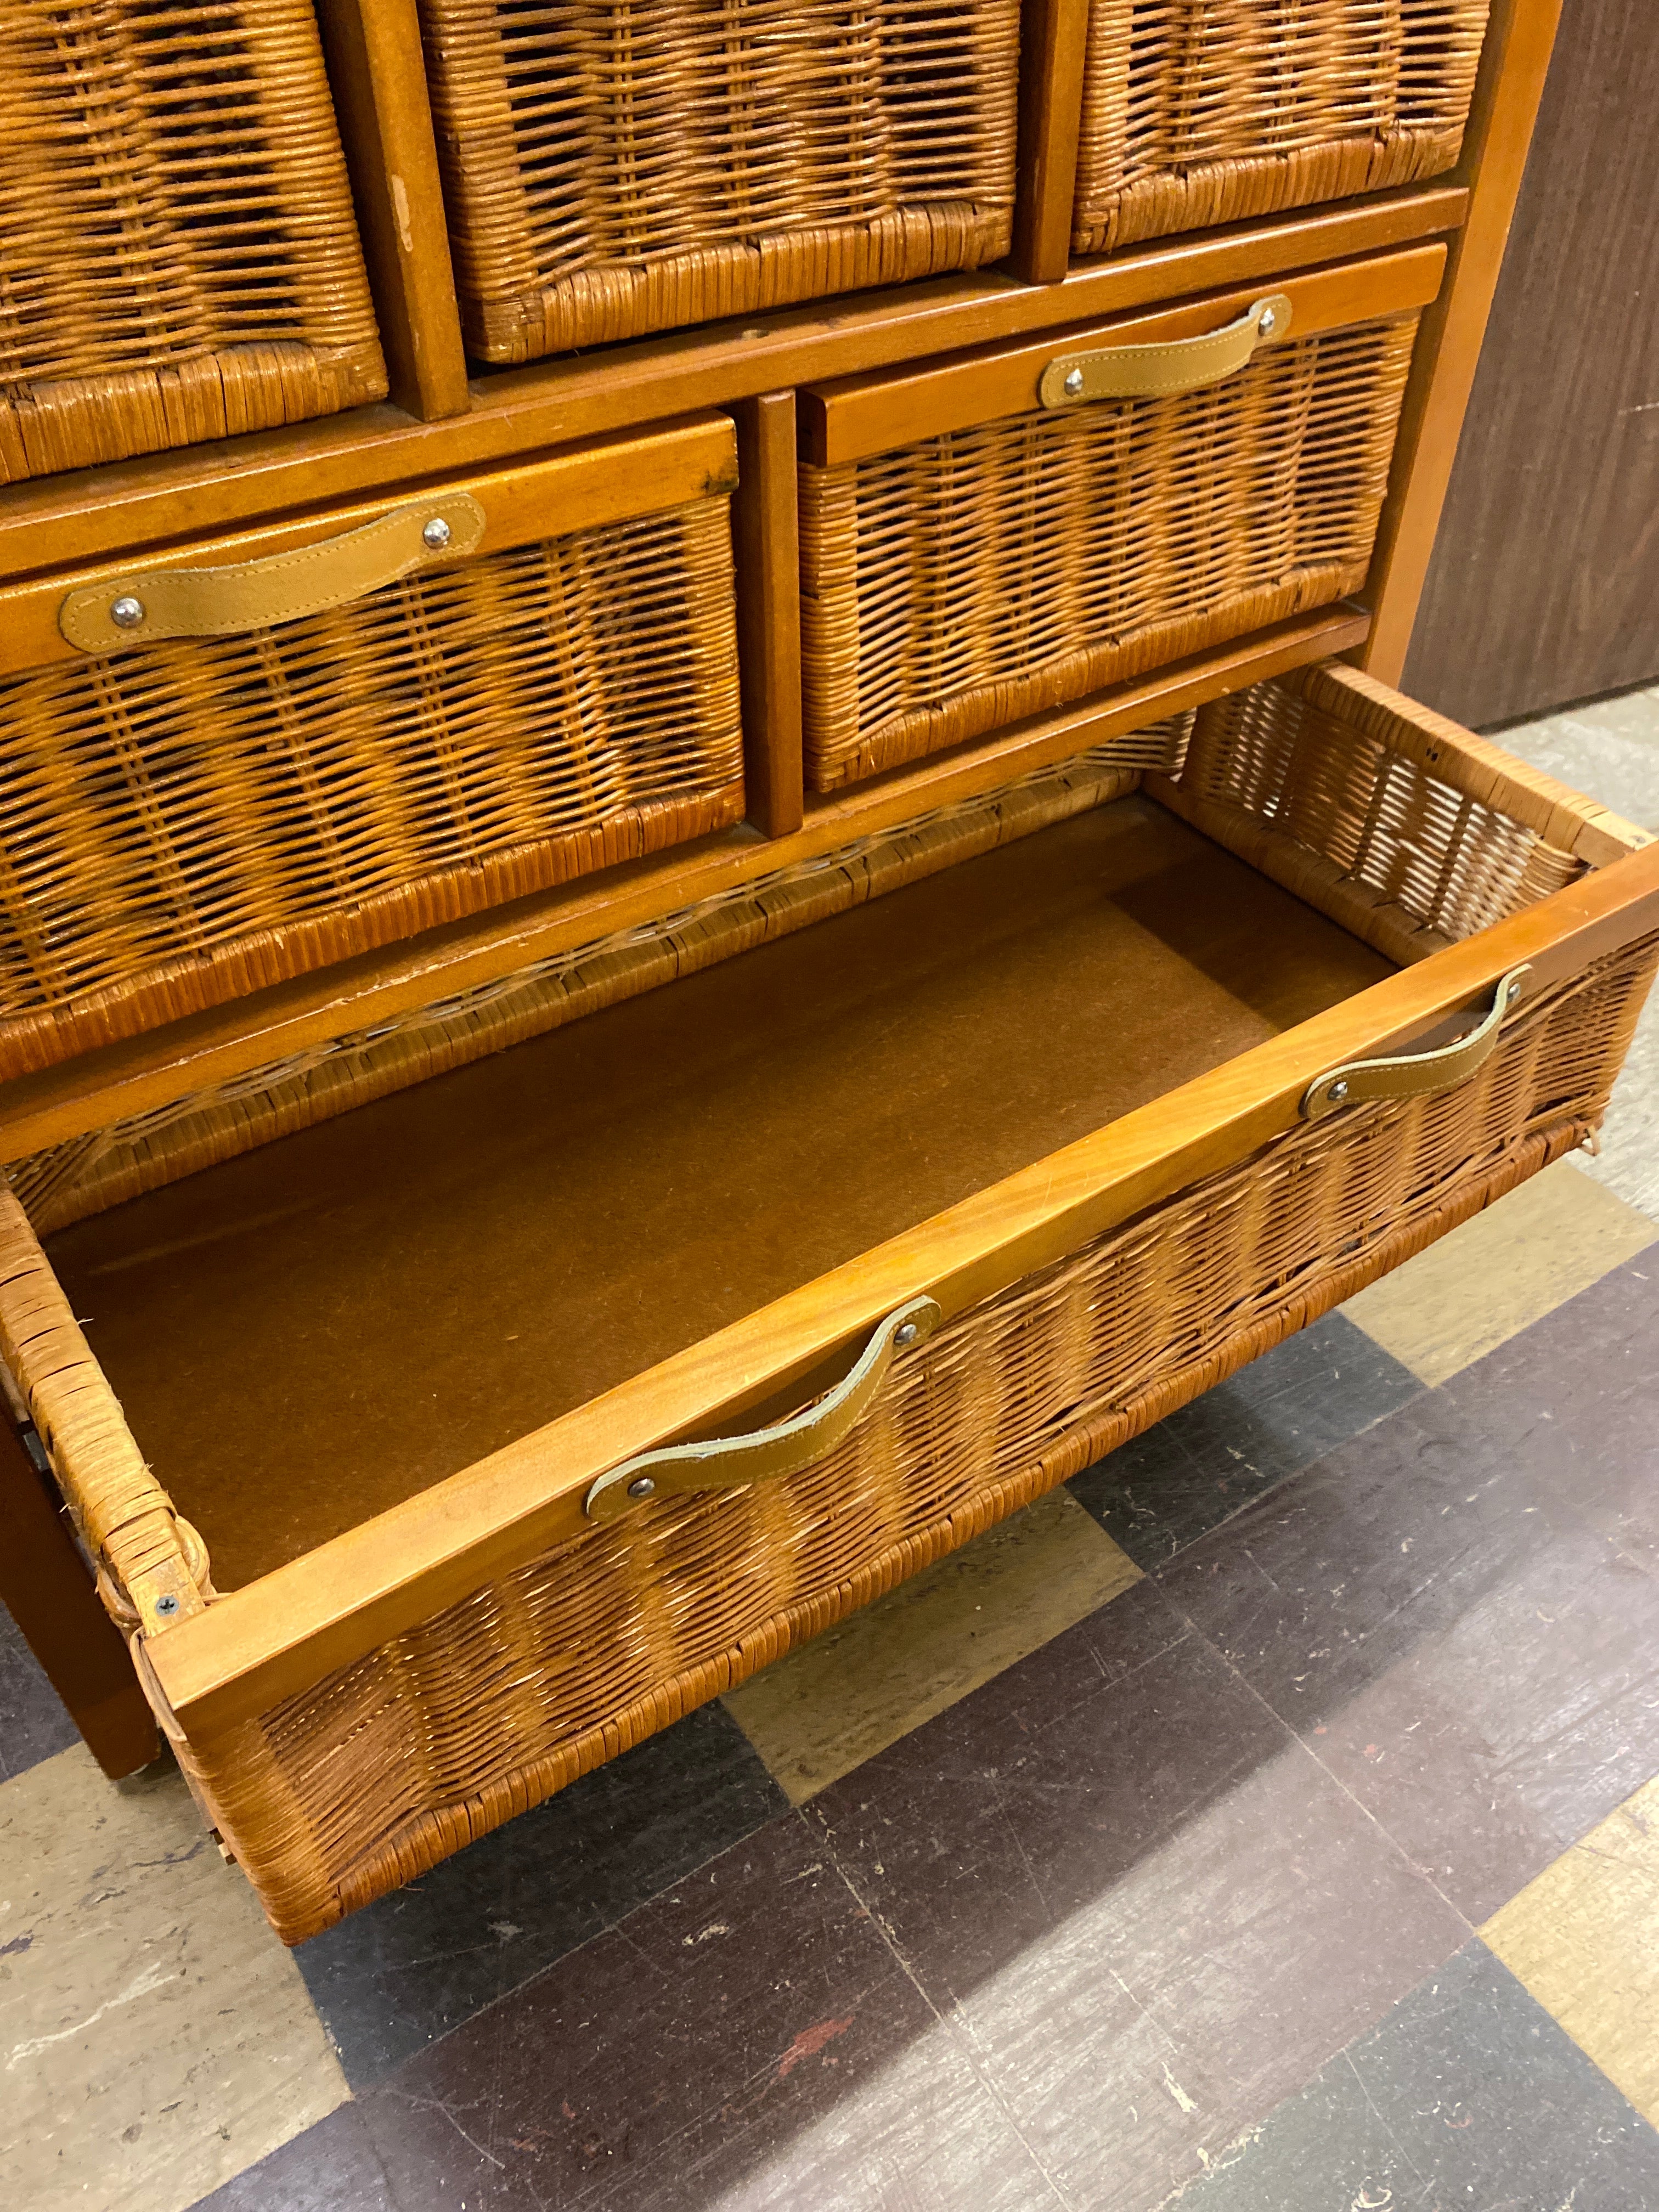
45, 1588
379, 82
766, 546
1516, 62
1053, 38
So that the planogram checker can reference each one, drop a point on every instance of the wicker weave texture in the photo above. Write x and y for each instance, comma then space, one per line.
614, 168
190, 821
510, 1694
1200, 112
178, 257
954, 584
87, 1174
1322, 789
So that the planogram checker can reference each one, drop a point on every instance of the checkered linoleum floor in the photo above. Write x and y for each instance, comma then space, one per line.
1268, 1818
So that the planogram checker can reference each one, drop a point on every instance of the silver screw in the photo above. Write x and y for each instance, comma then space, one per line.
906, 1334
436, 534
126, 612
1269, 323
1073, 385
1337, 1093
168, 1606
642, 1486
1514, 992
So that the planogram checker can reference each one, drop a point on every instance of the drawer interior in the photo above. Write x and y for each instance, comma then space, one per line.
308, 1334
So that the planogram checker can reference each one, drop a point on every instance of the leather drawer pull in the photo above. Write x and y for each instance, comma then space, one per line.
156, 603
1414, 1073
728, 1463
1148, 372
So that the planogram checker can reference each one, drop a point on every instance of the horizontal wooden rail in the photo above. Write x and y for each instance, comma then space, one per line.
163, 497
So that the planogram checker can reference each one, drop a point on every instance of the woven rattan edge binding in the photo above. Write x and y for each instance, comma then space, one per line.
87, 1174
152, 1568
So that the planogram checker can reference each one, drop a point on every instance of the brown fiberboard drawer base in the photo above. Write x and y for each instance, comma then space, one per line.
1145, 1224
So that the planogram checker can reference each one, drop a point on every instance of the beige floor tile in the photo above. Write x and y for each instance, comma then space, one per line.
156, 2037
1498, 1273
837, 1701
1584, 1939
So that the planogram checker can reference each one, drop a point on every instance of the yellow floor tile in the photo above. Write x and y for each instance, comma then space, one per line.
156, 2037
1584, 1939
836, 1702
1498, 1273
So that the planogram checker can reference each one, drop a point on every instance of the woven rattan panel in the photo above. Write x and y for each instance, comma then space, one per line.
1200, 112
1431, 863
179, 258
954, 584
194, 820
612, 169
515, 1690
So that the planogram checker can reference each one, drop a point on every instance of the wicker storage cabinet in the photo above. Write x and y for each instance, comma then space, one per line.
985, 538
178, 255
611, 169
1032, 1120
351, 729
1200, 112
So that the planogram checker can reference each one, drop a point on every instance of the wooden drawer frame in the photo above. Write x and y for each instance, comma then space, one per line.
220, 1672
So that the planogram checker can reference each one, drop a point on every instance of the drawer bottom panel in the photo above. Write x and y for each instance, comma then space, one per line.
441, 1733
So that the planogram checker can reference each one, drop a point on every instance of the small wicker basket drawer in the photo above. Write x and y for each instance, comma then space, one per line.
178, 255
1202, 112
255, 756
945, 1190
611, 169
992, 536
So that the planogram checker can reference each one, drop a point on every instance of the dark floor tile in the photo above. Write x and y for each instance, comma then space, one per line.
411, 1966
1151, 1913
331, 2167
1466, 2095
1431, 1607
1164, 1489
32, 1722
745, 2040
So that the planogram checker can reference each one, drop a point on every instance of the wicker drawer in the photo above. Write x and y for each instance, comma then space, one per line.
355, 727
1200, 112
985, 538
611, 169
927, 1203
178, 255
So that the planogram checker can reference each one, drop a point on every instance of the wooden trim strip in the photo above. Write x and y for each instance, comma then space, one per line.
1053, 48
1513, 65
139, 1073
282, 1633
584, 487
157, 498
855, 417
765, 544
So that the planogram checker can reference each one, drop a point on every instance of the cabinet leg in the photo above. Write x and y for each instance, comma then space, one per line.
49, 1592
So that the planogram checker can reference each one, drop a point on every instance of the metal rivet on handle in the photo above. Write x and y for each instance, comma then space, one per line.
1269, 323
907, 1334
1073, 385
436, 534
127, 612
642, 1486
1514, 992
168, 1606
1337, 1093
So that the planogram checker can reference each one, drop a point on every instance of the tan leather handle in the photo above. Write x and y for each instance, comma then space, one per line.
1148, 372
154, 603
727, 1463
1414, 1073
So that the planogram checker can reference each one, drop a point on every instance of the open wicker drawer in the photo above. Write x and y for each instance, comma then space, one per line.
1200, 112
987, 536
179, 255
927, 1202
247, 757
